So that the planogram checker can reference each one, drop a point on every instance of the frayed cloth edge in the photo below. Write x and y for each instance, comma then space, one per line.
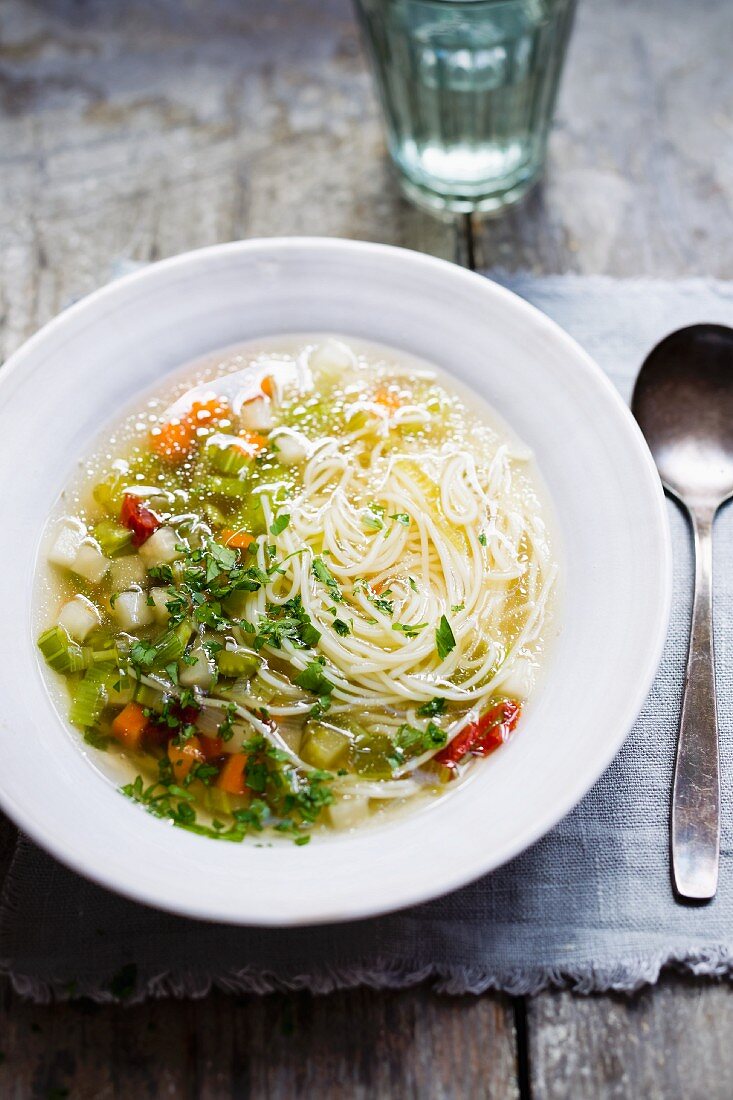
448, 980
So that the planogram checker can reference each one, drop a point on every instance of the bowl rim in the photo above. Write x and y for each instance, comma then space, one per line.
578, 785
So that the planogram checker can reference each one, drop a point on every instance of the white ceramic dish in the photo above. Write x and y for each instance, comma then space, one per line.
90, 362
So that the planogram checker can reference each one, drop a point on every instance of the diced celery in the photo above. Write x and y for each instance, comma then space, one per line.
60, 652
227, 459
323, 745
370, 754
90, 698
148, 697
233, 488
251, 517
121, 690
216, 800
172, 645
237, 662
109, 493
112, 537
235, 604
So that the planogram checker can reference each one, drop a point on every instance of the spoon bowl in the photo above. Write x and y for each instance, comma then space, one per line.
683, 401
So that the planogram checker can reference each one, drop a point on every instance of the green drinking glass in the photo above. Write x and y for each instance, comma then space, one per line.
468, 89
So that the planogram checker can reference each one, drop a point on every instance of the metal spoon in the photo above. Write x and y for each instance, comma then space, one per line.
683, 401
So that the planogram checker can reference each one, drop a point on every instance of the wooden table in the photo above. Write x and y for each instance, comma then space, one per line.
138, 130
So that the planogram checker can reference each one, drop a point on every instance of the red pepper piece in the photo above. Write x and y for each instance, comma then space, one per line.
138, 519
484, 736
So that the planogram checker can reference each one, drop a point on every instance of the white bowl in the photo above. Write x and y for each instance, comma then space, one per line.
72, 377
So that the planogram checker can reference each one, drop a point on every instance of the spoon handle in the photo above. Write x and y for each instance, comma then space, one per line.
696, 793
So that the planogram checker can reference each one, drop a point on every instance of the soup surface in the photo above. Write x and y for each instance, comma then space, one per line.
305, 584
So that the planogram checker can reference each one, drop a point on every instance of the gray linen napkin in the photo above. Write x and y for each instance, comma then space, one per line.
589, 906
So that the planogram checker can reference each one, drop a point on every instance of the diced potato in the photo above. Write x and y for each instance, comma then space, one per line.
160, 548
160, 597
324, 745
90, 563
200, 673
290, 446
332, 357
69, 537
131, 609
256, 415
78, 617
349, 811
127, 572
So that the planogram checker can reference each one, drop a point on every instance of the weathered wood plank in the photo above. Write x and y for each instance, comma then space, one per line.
640, 172
359, 1045
672, 1040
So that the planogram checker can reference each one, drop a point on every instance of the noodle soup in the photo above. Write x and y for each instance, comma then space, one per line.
304, 586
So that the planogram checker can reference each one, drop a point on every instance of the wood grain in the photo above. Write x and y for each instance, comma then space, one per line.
358, 1045
670, 1041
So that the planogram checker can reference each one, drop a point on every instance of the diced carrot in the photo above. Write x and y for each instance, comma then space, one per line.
129, 726
183, 757
254, 442
231, 777
212, 411
173, 440
240, 540
267, 385
388, 398
211, 747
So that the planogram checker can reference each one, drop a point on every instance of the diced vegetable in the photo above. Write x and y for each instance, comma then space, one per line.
132, 611
256, 415
231, 778
79, 617
121, 689
518, 682
349, 811
148, 697
127, 572
229, 454
211, 747
139, 519
290, 446
173, 441
388, 398
109, 494
331, 358
161, 597
214, 410
112, 537
61, 653
90, 698
129, 726
90, 563
232, 488
268, 385
183, 757
239, 540
240, 662
200, 673
482, 737
172, 645
324, 746
69, 537
160, 548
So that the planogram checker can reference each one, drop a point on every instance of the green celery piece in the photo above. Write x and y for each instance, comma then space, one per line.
112, 537
324, 746
109, 494
231, 488
172, 645
90, 698
61, 653
231, 663
148, 697
228, 460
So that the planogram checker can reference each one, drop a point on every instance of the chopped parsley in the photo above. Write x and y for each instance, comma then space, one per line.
431, 708
444, 638
278, 525
341, 627
313, 679
482, 538
410, 630
401, 517
322, 573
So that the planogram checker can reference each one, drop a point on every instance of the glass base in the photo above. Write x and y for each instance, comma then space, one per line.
446, 206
